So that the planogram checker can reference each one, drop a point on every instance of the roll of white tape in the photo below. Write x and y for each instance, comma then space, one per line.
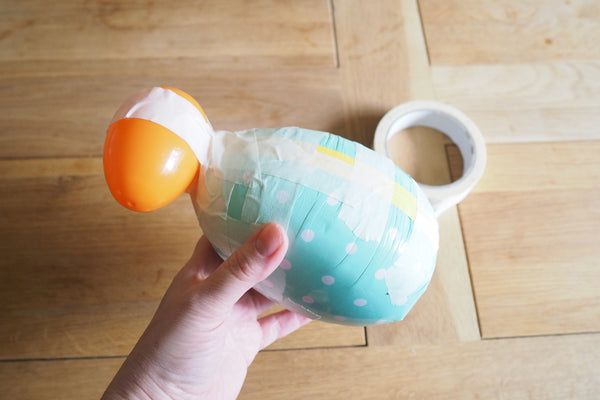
454, 124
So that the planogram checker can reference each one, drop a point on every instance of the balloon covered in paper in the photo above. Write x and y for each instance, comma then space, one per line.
363, 236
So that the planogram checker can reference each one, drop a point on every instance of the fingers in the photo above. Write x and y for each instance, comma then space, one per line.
280, 324
204, 260
250, 264
256, 302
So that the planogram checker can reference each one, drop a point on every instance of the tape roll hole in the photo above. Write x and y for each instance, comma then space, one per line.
426, 154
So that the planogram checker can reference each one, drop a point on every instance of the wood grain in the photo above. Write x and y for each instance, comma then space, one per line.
534, 263
65, 69
541, 368
526, 167
507, 31
81, 276
297, 32
66, 114
526, 102
369, 67
383, 62
563, 367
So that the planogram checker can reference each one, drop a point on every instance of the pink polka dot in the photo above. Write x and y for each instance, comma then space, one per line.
393, 233
307, 235
331, 201
328, 280
282, 196
380, 274
285, 264
351, 248
360, 302
268, 283
308, 299
339, 318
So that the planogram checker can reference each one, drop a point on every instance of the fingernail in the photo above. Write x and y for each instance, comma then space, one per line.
269, 240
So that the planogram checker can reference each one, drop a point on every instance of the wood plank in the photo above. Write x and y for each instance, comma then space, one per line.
525, 167
300, 32
383, 63
506, 31
529, 368
526, 102
534, 262
541, 368
322, 335
372, 53
81, 276
66, 115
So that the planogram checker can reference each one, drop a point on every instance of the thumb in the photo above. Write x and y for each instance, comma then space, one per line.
254, 261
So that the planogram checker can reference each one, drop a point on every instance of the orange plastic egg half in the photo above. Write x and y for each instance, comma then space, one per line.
146, 166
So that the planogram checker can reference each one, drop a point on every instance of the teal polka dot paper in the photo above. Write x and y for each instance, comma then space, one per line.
363, 237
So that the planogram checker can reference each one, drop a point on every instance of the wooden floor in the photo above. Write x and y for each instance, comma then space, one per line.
514, 307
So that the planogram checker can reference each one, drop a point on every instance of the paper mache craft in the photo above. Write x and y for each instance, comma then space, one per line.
363, 235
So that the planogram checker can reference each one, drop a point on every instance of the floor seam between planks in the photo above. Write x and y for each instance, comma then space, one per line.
334, 33
471, 283
541, 335
123, 356
62, 157
462, 235
51, 359
424, 34
117, 356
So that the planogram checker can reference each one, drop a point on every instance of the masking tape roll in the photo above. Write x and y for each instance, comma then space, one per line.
454, 124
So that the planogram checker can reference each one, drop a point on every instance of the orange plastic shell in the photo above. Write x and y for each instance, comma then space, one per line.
146, 166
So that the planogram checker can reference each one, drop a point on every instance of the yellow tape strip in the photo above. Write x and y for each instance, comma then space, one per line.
405, 201
401, 198
335, 154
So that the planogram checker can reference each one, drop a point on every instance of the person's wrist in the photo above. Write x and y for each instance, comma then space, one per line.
116, 392
137, 380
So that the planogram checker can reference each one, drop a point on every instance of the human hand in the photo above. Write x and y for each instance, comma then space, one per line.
206, 330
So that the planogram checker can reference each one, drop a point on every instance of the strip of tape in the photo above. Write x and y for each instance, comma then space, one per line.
175, 113
169, 109
336, 154
364, 185
454, 124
